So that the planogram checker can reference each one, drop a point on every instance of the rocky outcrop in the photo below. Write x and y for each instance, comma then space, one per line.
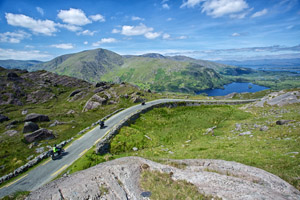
279, 98
30, 127
33, 117
40, 134
94, 102
3, 118
120, 179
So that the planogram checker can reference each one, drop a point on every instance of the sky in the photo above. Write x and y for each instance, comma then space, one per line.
202, 29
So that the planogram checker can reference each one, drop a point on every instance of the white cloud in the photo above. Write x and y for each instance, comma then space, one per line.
166, 36
115, 31
85, 42
46, 27
260, 13
23, 55
181, 37
134, 18
74, 17
63, 46
235, 34
13, 37
152, 35
40, 10
97, 17
191, 3
166, 6
218, 8
169, 19
87, 32
70, 27
103, 41
29, 46
135, 30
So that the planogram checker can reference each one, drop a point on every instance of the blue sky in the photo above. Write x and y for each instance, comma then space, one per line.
204, 29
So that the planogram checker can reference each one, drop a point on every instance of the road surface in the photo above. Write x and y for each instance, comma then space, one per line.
47, 171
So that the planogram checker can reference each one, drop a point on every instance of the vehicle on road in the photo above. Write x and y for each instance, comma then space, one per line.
57, 154
101, 124
143, 103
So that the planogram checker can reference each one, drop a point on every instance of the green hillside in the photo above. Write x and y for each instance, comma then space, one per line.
161, 74
18, 64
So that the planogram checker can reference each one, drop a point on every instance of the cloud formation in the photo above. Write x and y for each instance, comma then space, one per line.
260, 13
87, 32
103, 41
13, 37
40, 10
135, 30
63, 46
97, 17
23, 55
134, 18
74, 17
46, 27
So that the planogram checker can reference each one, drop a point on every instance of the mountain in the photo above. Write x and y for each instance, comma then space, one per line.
149, 71
295, 62
87, 65
18, 64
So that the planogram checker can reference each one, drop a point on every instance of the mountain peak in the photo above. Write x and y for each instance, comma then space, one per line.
153, 55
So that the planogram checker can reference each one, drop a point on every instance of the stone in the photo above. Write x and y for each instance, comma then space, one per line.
99, 89
94, 102
99, 84
137, 99
282, 122
75, 92
121, 179
238, 127
71, 112
12, 75
30, 127
24, 112
135, 149
36, 118
3, 118
280, 98
40, 134
40, 150
30, 157
210, 130
245, 133
10, 133
264, 128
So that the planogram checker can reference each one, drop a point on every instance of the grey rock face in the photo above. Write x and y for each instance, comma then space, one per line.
3, 118
94, 102
75, 92
39, 135
30, 127
36, 118
282, 122
280, 98
264, 128
121, 178
238, 127
10, 133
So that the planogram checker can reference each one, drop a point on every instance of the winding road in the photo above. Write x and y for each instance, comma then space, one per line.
49, 169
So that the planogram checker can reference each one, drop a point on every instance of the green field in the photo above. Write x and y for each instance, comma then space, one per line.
178, 133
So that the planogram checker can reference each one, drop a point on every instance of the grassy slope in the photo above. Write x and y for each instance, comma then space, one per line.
165, 75
178, 134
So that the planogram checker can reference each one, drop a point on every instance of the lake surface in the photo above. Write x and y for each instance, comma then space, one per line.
233, 87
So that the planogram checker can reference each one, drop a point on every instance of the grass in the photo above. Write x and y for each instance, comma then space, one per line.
177, 133
17, 196
163, 187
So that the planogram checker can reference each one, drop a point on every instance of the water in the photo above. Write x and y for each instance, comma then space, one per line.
233, 87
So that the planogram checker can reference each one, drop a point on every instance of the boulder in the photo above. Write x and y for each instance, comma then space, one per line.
279, 99
94, 102
40, 134
137, 99
99, 89
3, 118
12, 75
121, 179
10, 133
238, 127
71, 112
36, 118
264, 128
282, 122
245, 133
99, 84
30, 127
75, 92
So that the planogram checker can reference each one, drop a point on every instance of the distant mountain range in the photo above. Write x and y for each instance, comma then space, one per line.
18, 64
264, 63
149, 71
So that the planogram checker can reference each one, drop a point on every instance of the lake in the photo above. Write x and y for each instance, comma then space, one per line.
233, 87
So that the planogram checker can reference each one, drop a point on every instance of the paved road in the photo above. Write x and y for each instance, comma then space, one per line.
50, 169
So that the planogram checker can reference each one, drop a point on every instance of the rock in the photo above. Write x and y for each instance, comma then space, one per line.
121, 179
264, 128
210, 130
71, 112
238, 127
279, 98
230, 96
245, 133
75, 92
24, 112
56, 122
36, 118
40, 134
137, 99
40, 150
10, 133
94, 102
3, 118
282, 122
99, 89
99, 84
12, 75
30, 127
30, 157
135, 149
